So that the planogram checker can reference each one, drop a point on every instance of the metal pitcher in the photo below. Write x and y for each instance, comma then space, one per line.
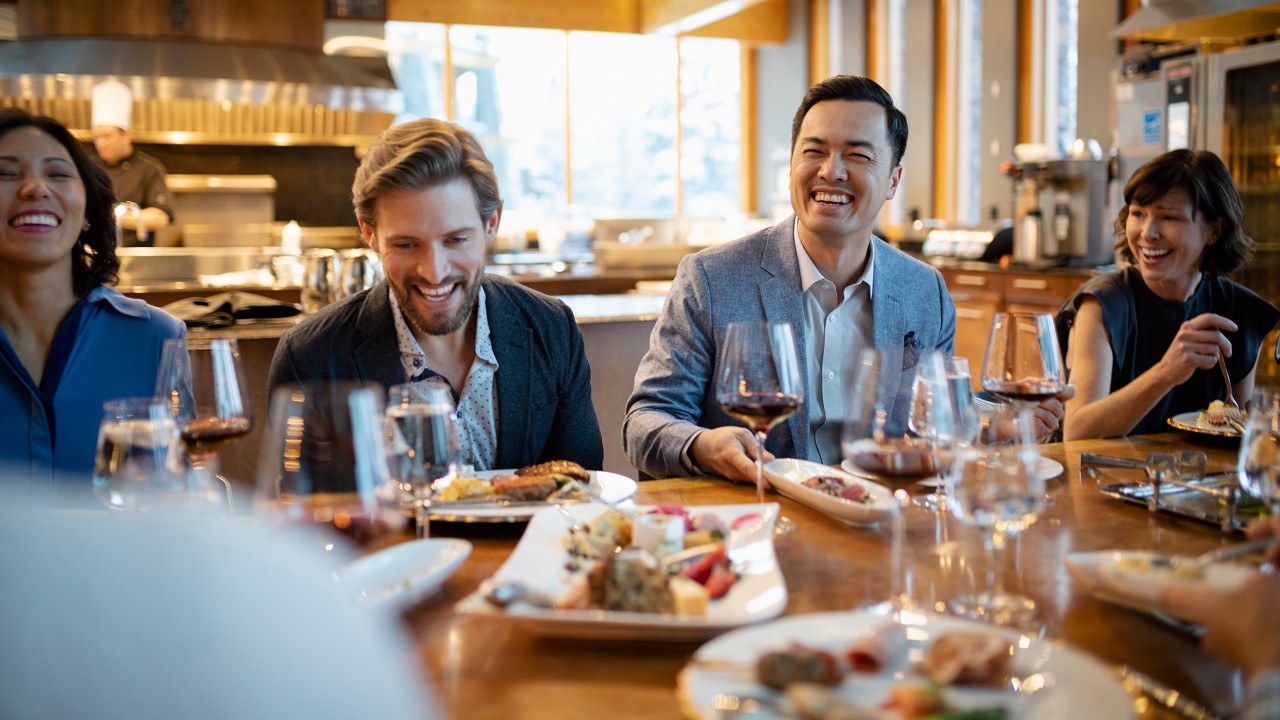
319, 278
358, 270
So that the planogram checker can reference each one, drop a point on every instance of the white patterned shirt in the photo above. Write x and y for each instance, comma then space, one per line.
477, 403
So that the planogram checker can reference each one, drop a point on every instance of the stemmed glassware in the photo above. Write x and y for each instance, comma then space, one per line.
944, 416
1259, 463
1023, 364
997, 490
139, 460
204, 384
422, 445
324, 461
760, 381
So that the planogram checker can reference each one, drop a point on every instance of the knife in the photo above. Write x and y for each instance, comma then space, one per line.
1095, 459
1166, 696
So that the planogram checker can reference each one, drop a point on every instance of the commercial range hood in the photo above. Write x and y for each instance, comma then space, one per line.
222, 70
1194, 20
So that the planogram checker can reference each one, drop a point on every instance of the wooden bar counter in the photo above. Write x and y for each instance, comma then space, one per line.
483, 667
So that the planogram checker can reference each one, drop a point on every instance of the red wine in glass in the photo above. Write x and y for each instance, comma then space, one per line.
206, 436
1026, 392
759, 411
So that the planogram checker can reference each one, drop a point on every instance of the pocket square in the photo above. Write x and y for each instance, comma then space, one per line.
911, 348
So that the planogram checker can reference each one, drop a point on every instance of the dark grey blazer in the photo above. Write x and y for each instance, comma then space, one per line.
544, 382
752, 278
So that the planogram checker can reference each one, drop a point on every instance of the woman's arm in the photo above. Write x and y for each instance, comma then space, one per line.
1095, 413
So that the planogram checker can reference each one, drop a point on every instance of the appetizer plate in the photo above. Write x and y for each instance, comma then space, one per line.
613, 488
788, 477
1081, 686
538, 561
1191, 422
405, 574
1046, 469
1135, 578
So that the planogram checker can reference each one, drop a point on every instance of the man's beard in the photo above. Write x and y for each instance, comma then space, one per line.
440, 324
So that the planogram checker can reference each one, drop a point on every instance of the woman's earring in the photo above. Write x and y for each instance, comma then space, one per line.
86, 226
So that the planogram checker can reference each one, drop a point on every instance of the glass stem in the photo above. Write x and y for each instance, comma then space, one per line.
421, 516
899, 537
995, 547
760, 437
207, 479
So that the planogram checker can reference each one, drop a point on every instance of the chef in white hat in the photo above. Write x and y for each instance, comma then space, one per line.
138, 178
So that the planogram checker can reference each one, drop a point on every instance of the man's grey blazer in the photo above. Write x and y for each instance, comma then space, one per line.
752, 278
544, 382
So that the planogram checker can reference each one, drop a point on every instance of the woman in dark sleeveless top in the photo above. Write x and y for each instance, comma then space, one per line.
1142, 343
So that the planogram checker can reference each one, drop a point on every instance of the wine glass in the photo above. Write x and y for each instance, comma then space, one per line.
323, 461
139, 458
997, 490
759, 383
422, 445
1259, 464
1023, 364
942, 414
205, 385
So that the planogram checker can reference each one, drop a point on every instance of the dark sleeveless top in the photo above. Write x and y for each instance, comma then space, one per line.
1142, 325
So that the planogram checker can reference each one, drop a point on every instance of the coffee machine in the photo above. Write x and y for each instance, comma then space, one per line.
1060, 213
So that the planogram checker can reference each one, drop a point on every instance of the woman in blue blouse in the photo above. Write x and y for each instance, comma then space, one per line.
68, 342
1143, 342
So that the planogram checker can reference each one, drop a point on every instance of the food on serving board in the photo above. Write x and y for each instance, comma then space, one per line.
466, 488
1146, 564
798, 664
967, 658
839, 486
567, 468
1222, 415
535, 483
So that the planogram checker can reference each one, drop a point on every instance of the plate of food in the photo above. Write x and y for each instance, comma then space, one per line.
516, 495
873, 663
405, 574
1218, 419
1135, 578
680, 573
849, 498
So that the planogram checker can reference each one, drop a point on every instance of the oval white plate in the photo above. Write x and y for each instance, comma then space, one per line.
613, 488
1127, 577
539, 560
1046, 469
404, 574
1083, 686
788, 476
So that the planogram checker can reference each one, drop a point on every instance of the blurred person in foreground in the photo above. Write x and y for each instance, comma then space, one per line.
427, 202
136, 176
822, 271
221, 618
1142, 343
68, 341
1241, 625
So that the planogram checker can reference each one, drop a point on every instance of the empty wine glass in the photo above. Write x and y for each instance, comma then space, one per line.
323, 461
759, 382
204, 383
139, 458
1023, 364
942, 416
1259, 462
422, 444
996, 489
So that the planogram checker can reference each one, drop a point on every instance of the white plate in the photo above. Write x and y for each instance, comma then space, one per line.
1191, 422
405, 574
788, 477
539, 561
1083, 686
1046, 470
1127, 577
612, 486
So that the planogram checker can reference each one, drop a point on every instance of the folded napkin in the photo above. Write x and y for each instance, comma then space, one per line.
228, 308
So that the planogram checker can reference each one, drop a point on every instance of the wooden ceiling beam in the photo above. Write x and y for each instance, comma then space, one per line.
598, 15
762, 23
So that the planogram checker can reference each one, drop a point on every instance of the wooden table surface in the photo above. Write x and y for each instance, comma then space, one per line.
486, 668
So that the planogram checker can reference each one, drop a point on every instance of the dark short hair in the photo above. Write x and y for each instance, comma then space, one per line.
855, 88
93, 258
1214, 197
422, 154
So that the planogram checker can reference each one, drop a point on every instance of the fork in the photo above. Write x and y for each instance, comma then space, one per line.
1231, 398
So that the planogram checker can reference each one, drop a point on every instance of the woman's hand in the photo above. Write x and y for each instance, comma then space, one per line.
1197, 346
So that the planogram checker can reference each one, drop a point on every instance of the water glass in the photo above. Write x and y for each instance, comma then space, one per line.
1259, 462
422, 445
139, 460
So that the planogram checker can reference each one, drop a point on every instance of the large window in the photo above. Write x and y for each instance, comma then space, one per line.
624, 125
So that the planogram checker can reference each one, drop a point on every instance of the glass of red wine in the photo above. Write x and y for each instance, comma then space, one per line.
204, 384
323, 464
760, 381
1023, 364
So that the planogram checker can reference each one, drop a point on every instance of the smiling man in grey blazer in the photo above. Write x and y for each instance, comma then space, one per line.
822, 271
